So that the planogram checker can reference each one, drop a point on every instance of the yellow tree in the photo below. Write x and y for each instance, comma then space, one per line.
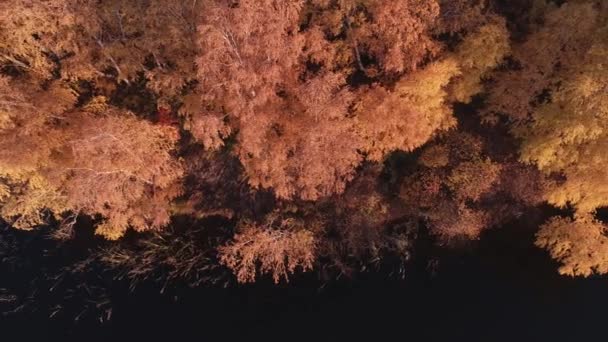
580, 245
542, 58
35, 35
478, 54
559, 102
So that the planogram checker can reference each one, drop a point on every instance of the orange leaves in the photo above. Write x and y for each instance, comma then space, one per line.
247, 51
121, 168
282, 76
451, 220
448, 189
308, 151
299, 158
97, 160
461, 16
407, 116
435, 156
399, 35
302, 124
258, 251
471, 179
30, 31
209, 130
394, 33
305, 99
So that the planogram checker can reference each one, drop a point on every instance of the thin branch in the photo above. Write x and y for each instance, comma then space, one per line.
109, 56
358, 56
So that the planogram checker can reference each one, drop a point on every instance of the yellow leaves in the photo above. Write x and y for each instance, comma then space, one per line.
581, 245
480, 52
425, 93
31, 30
5, 191
424, 89
111, 230
484, 48
570, 135
5, 121
543, 141
97, 105
406, 117
584, 187
560, 100
24, 206
546, 57
587, 85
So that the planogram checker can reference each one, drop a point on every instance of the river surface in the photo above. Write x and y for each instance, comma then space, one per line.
500, 288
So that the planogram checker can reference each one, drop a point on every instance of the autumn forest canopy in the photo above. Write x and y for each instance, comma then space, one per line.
206, 140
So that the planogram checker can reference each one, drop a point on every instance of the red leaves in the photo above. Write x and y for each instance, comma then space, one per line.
165, 117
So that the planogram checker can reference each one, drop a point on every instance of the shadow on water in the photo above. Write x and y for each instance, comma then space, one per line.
500, 288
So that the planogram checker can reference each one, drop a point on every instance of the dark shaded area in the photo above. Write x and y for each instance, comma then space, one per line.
500, 288
136, 97
601, 214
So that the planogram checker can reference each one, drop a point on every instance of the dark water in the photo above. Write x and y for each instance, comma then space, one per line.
501, 288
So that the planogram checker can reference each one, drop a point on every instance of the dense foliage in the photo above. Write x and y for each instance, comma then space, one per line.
324, 134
